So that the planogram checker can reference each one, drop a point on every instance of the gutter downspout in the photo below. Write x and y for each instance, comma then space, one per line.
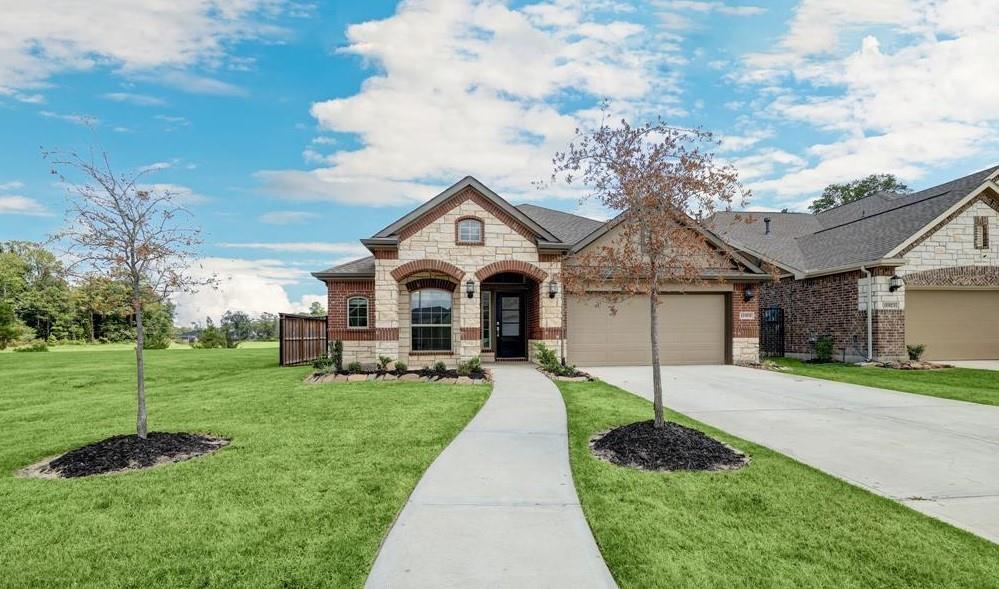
870, 309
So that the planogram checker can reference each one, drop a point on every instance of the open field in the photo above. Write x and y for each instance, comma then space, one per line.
301, 497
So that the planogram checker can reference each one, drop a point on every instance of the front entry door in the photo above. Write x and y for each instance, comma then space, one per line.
510, 337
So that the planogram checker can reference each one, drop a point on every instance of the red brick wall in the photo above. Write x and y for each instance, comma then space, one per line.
338, 291
745, 327
827, 305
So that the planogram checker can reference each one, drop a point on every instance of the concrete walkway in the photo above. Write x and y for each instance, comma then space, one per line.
937, 456
498, 507
978, 364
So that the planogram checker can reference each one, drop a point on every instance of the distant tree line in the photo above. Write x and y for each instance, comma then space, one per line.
39, 301
234, 328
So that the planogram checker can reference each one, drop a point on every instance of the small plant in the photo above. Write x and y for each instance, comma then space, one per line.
916, 351
440, 368
37, 345
355, 367
383, 362
323, 364
824, 349
469, 367
400, 367
337, 355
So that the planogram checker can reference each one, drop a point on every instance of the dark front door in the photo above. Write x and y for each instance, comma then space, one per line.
510, 337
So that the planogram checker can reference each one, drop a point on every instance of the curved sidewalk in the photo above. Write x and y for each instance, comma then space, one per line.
498, 507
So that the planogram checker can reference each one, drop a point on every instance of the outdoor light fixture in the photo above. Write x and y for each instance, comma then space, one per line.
552, 289
748, 294
470, 289
895, 283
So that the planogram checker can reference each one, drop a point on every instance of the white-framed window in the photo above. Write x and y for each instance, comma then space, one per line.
430, 320
357, 313
469, 231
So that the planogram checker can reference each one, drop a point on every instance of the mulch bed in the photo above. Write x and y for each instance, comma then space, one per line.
674, 447
126, 452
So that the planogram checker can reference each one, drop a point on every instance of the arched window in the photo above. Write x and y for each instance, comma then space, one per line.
469, 231
430, 316
357, 312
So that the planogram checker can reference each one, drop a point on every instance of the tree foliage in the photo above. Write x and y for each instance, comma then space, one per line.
835, 195
660, 180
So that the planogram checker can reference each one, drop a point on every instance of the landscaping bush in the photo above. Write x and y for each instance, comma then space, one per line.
440, 369
323, 364
37, 345
355, 368
472, 366
916, 351
383, 362
400, 367
824, 349
337, 355
551, 364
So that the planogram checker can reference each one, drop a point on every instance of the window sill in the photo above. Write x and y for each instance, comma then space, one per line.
432, 353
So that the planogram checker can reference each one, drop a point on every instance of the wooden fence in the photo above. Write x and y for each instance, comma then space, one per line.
303, 338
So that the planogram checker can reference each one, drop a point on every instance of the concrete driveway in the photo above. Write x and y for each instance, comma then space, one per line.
937, 456
979, 364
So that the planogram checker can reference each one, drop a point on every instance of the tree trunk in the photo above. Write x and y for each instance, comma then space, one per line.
657, 380
140, 367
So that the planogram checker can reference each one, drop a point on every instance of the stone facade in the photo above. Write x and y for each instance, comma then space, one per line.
953, 244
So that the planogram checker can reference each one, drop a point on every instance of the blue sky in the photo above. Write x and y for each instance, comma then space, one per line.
292, 129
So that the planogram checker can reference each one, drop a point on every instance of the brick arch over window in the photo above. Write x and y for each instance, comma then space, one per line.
410, 268
439, 283
526, 268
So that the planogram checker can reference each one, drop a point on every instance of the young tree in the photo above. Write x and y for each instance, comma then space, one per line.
660, 180
835, 195
119, 230
316, 309
237, 327
9, 328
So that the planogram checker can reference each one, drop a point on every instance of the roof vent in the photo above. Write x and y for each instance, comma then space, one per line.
766, 221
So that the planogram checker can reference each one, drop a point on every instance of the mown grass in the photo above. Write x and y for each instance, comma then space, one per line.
302, 497
128, 346
962, 384
775, 523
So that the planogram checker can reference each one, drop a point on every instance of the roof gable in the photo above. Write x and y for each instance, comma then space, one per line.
467, 187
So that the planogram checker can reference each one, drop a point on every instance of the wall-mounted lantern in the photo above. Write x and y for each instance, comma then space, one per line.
470, 289
552, 289
895, 283
748, 293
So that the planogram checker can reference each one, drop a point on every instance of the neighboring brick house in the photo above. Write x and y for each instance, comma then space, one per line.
933, 257
468, 274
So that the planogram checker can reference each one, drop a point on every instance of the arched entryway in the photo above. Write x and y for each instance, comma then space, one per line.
510, 312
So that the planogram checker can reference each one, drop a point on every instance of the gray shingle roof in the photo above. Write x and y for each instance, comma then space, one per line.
568, 228
360, 268
862, 231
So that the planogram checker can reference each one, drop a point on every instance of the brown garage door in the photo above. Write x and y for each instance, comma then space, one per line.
954, 324
691, 331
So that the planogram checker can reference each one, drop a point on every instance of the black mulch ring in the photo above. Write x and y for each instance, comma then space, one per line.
131, 452
674, 447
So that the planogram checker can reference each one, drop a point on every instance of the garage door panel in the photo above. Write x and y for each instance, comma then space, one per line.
953, 324
691, 330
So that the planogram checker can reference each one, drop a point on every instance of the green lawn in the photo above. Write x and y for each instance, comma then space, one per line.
963, 384
775, 523
131, 347
302, 497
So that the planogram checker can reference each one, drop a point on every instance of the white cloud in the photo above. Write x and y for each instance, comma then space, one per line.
720, 7
136, 99
76, 119
899, 86
181, 195
11, 185
41, 39
195, 84
475, 88
21, 205
287, 217
353, 249
253, 286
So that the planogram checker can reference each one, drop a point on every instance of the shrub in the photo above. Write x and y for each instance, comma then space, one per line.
472, 366
383, 362
337, 355
355, 367
37, 345
440, 368
400, 367
916, 351
824, 349
323, 364
546, 357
